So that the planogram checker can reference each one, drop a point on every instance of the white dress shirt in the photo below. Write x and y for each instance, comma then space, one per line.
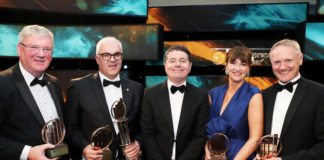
112, 94
44, 101
281, 106
176, 100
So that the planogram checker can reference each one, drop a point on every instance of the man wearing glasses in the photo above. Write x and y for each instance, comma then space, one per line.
89, 101
29, 97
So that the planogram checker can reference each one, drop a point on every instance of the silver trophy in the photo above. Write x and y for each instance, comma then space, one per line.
101, 139
53, 132
217, 145
118, 112
269, 146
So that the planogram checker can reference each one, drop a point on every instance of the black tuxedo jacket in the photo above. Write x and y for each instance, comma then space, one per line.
20, 119
157, 127
86, 110
302, 134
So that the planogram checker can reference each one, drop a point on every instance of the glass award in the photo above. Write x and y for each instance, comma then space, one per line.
53, 132
101, 139
269, 146
217, 145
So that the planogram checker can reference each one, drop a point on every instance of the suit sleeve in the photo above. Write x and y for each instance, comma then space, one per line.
75, 137
195, 149
9, 149
317, 150
151, 149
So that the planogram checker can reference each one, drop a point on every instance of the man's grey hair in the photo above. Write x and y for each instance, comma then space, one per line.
287, 43
108, 39
35, 30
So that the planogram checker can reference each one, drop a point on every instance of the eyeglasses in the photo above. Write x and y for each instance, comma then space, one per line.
107, 56
35, 48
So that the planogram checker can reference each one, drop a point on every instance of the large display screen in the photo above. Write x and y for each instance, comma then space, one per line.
140, 42
314, 41
320, 4
238, 17
208, 53
114, 7
207, 82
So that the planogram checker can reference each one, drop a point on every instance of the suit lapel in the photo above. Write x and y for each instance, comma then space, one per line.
271, 98
185, 109
54, 95
27, 95
165, 105
97, 89
293, 106
127, 93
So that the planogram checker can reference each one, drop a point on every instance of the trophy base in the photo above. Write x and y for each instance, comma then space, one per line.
107, 155
58, 151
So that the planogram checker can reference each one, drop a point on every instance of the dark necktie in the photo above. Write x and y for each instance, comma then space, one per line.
289, 86
115, 83
180, 88
42, 82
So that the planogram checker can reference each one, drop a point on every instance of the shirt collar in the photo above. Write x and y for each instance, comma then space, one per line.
292, 80
27, 76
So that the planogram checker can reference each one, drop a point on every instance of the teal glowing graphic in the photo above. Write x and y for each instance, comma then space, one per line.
314, 43
8, 40
140, 42
258, 17
125, 7
106, 7
205, 82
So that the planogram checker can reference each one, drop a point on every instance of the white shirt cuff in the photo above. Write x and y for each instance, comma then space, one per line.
25, 152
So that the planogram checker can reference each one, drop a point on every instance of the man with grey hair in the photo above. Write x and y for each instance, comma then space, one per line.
294, 107
89, 101
29, 97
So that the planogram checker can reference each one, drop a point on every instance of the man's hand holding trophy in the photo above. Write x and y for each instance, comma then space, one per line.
269, 147
118, 112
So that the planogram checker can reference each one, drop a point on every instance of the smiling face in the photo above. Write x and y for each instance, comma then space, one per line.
35, 62
111, 67
237, 70
285, 61
177, 66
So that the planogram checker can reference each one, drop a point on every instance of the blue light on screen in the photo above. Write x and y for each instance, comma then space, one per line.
314, 41
80, 41
125, 7
259, 17
205, 82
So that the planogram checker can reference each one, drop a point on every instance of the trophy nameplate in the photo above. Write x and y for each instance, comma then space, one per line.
269, 146
218, 145
53, 132
118, 112
101, 139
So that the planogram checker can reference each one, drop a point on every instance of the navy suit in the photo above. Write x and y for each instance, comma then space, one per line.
87, 110
20, 119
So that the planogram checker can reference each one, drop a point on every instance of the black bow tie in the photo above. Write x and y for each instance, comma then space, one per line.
115, 83
180, 88
289, 86
35, 81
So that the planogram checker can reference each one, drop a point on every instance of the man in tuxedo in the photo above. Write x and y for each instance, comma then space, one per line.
174, 113
29, 97
294, 107
89, 101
